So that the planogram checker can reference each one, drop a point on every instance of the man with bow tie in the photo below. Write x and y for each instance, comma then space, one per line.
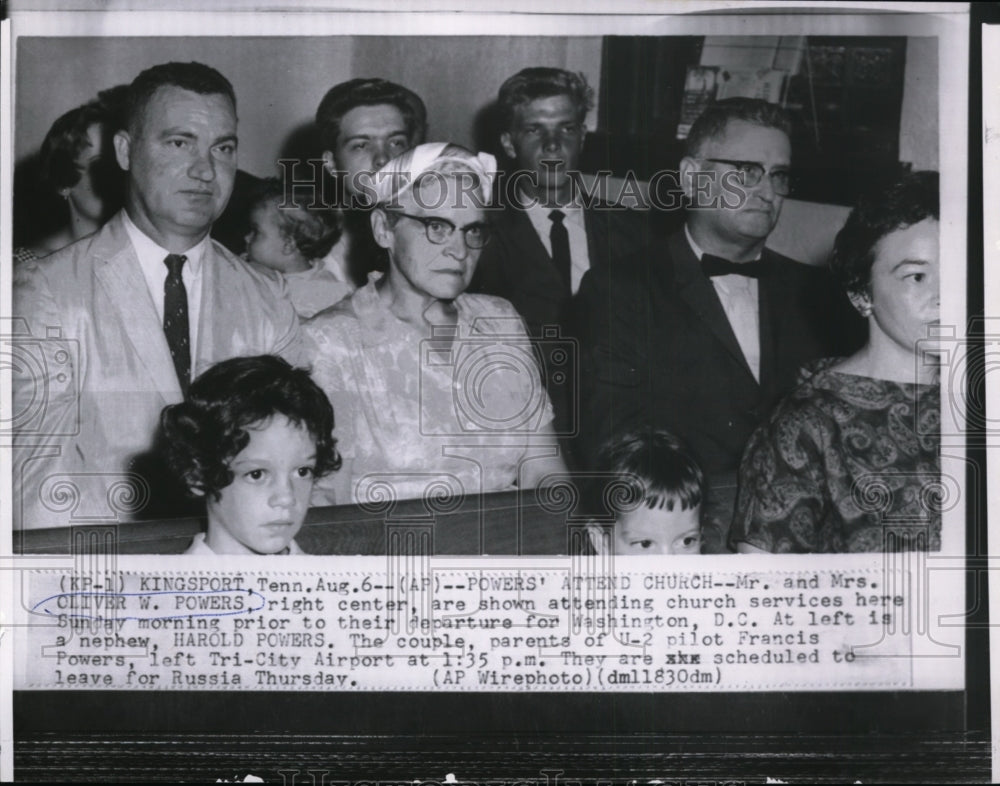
115, 326
703, 337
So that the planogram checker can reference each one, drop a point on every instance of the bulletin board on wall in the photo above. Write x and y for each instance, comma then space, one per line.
844, 95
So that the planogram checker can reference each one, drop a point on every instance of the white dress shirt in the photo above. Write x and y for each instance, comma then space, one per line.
579, 254
154, 270
738, 295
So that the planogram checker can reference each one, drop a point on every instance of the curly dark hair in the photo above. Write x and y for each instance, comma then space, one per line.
342, 98
530, 84
313, 229
644, 468
202, 435
712, 123
908, 200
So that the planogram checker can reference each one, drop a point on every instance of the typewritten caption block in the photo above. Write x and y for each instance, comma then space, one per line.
485, 626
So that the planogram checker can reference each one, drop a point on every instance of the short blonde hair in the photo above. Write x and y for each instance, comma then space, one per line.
313, 229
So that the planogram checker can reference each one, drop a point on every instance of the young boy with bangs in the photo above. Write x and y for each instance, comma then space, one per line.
651, 488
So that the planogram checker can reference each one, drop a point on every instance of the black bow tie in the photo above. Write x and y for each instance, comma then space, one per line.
717, 266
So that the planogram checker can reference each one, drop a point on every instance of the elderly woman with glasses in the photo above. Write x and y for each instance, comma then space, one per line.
436, 392
851, 460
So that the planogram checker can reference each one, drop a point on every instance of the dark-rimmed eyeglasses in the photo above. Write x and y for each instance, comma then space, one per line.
752, 172
439, 230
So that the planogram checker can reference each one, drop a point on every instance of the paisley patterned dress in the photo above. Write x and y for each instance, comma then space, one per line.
427, 416
845, 464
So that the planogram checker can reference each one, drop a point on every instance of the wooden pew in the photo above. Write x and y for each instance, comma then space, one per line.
505, 523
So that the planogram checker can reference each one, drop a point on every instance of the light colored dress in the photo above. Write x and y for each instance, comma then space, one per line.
845, 464
421, 416
315, 289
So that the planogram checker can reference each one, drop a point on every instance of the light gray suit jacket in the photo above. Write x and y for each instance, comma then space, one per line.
93, 368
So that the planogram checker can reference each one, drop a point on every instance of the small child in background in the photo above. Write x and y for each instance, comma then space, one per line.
250, 438
292, 241
652, 488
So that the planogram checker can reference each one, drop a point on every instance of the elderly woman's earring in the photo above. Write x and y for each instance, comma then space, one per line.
64, 193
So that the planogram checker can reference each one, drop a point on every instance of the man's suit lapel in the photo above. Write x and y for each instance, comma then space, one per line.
771, 294
211, 310
535, 272
118, 272
697, 292
598, 237
613, 233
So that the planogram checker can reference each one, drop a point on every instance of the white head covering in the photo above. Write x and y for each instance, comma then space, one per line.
398, 175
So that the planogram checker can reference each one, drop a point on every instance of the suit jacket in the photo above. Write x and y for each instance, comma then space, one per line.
659, 350
97, 370
516, 266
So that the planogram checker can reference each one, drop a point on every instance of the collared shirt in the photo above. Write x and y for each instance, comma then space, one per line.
579, 255
154, 270
199, 546
738, 295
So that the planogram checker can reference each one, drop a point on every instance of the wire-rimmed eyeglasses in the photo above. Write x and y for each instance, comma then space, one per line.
752, 172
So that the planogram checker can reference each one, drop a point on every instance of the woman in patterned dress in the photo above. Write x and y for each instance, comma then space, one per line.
436, 392
850, 461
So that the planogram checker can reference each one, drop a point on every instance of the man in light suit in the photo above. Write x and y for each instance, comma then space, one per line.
120, 322
703, 337
546, 234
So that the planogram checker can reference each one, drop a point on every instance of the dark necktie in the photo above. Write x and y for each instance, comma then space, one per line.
712, 265
175, 319
559, 238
